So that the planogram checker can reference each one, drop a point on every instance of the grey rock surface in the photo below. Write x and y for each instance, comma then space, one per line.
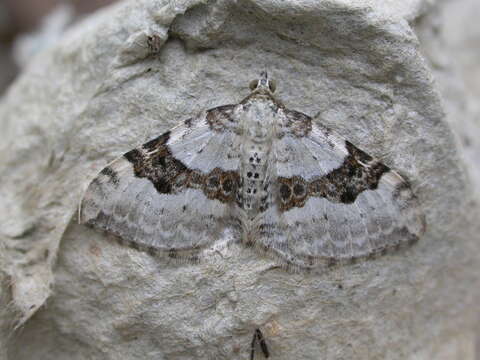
132, 71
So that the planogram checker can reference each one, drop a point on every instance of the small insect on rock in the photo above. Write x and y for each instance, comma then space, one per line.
269, 175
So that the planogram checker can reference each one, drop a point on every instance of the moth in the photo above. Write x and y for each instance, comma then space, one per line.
262, 175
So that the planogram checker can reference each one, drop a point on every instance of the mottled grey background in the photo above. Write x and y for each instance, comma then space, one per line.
398, 79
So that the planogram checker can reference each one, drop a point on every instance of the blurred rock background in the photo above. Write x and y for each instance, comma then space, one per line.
26, 26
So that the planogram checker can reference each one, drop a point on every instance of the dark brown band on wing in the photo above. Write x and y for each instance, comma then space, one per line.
219, 118
298, 123
359, 172
169, 175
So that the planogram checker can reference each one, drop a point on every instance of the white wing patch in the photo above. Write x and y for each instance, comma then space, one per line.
266, 175
167, 207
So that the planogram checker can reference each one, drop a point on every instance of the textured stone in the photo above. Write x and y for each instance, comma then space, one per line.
105, 88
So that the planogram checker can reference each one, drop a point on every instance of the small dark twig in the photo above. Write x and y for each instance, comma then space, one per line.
258, 336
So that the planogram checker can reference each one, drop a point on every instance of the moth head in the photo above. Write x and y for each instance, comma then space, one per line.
264, 84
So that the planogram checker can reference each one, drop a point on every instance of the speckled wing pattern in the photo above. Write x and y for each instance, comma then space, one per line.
174, 193
260, 174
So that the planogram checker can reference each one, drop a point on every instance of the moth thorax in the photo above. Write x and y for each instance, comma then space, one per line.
258, 121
